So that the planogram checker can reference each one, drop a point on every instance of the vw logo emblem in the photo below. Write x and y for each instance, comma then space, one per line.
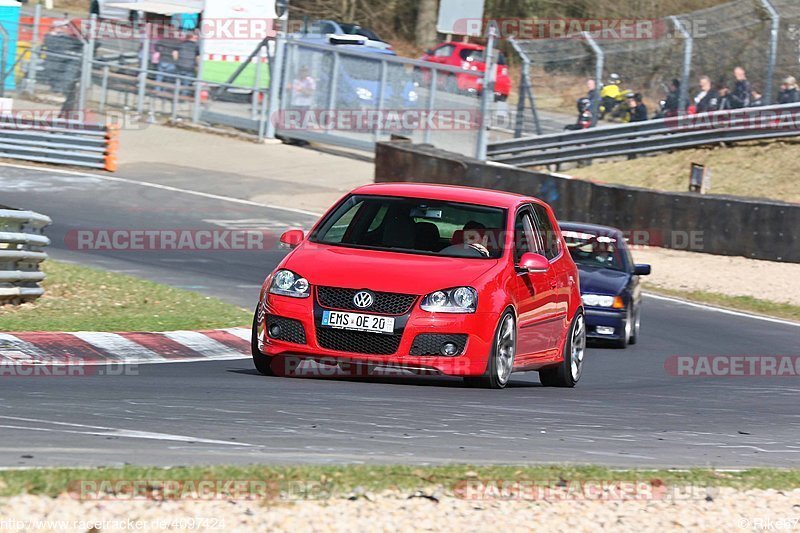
363, 299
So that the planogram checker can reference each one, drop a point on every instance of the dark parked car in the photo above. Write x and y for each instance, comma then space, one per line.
610, 287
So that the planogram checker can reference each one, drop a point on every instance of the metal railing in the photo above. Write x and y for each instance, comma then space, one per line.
21, 244
59, 141
650, 136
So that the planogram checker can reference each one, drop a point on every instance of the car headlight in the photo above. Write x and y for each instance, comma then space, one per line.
287, 283
363, 93
600, 300
455, 300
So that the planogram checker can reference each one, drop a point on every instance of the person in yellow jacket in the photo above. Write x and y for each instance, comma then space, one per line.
611, 95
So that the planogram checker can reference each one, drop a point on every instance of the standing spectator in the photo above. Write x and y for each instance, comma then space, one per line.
303, 88
740, 97
725, 99
756, 98
591, 89
673, 100
708, 98
789, 93
637, 108
167, 59
188, 56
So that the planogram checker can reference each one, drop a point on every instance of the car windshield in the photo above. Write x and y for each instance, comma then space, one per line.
353, 29
479, 56
590, 249
413, 225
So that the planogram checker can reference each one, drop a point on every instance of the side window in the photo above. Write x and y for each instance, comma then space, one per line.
337, 232
546, 232
444, 51
524, 238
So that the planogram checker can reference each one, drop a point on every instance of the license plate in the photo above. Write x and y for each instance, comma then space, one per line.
358, 322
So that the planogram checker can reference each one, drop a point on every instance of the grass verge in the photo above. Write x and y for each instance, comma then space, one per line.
79, 298
755, 170
738, 303
330, 481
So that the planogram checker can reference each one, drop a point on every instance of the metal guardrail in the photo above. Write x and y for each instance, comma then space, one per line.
660, 135
59, 141
21, 243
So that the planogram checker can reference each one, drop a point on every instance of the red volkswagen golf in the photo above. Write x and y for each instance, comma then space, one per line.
431, 279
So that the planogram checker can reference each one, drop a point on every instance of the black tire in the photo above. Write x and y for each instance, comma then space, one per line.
261, 361
492, 378
637, 325
627, 330
564, 375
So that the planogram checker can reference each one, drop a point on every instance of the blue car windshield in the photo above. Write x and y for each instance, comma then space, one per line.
589, 249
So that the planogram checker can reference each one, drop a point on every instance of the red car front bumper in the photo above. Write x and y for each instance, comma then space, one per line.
479, 328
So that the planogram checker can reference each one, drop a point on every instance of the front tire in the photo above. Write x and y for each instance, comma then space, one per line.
260, 361
501, 361
568, 373
637, 325
627, 332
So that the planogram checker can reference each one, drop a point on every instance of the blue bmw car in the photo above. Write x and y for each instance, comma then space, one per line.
610, 288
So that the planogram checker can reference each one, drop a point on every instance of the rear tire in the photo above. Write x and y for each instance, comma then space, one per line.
261, 361
568, 373
501, 361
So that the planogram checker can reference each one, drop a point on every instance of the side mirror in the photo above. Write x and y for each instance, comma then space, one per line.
641, 270
533, 263
292, 238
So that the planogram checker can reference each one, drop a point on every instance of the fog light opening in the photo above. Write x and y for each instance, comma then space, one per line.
275, 331
605, 330
449, 349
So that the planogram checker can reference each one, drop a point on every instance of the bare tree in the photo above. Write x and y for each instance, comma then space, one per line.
426, 23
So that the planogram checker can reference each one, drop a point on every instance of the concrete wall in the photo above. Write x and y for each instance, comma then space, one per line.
760, 229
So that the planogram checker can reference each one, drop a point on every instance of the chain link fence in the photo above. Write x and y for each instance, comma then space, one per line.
739, 33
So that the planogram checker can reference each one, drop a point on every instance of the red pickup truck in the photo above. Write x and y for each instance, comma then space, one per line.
470, 57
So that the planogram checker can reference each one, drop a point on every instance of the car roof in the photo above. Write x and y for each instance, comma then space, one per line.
453, 193
590, 228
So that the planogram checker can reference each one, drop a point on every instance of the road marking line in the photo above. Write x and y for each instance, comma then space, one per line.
165, 188
722, 310
115, 432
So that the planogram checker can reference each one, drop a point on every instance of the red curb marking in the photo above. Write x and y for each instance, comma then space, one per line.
63, 346
228, 339
162, 345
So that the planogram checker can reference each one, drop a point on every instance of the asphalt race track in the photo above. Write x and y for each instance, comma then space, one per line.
626, 411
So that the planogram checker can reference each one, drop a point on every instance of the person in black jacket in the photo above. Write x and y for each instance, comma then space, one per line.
789, 93
740, 96
637, 108
708, 98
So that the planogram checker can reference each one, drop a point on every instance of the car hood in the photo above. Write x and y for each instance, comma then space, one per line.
602, 280
339, 266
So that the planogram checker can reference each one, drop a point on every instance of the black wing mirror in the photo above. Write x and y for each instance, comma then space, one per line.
641, 270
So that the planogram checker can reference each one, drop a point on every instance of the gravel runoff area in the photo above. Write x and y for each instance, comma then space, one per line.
731, 276
721, 509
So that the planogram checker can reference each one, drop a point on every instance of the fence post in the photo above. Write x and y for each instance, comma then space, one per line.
683, 98
176, 95
525, 91
144, 62
3, 46
487, 92
773, 48
381, 95
598, 75
256, 84
104, 89
276, 82
334, 81
33, 63
88, 64
426, 136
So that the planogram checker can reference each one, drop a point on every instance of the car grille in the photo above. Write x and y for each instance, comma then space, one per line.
291, 330
431, 343
387, 303
358, 341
